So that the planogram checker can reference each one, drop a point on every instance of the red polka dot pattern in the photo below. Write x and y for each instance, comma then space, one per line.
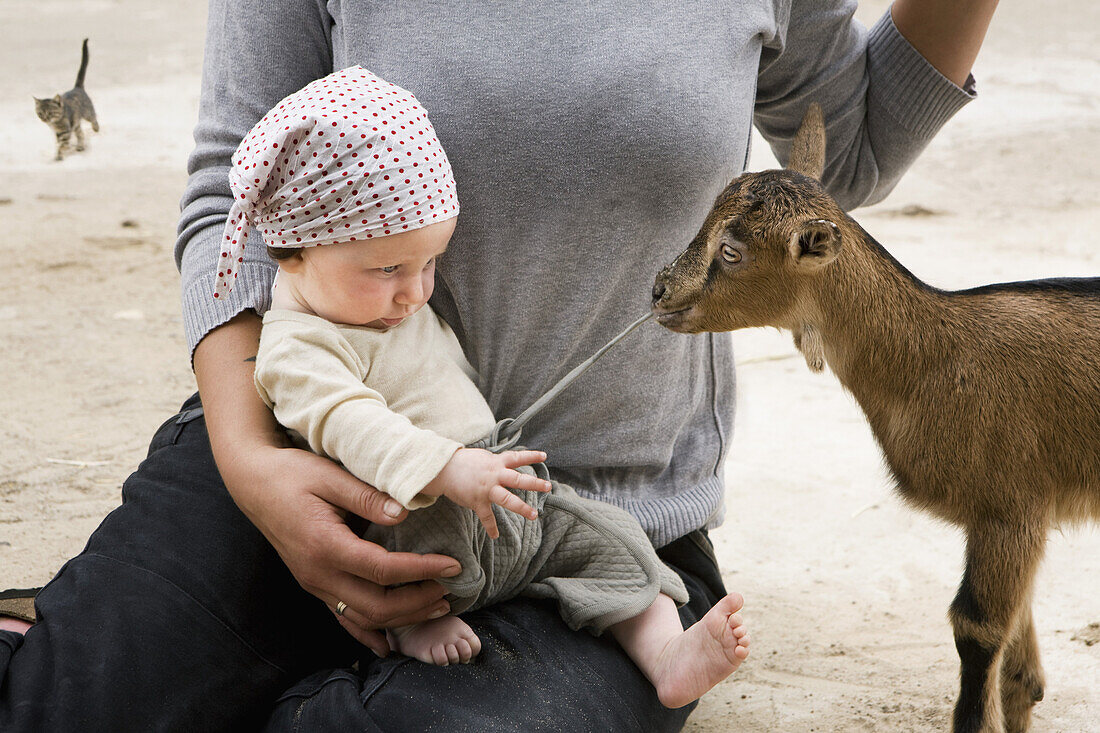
348, 157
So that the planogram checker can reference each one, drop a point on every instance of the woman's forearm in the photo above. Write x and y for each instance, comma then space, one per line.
948, 33
237, 419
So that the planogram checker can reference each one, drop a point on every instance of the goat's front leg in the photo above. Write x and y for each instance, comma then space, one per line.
1021, 674
1001, 558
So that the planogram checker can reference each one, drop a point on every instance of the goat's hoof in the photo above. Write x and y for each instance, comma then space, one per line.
1036, 692
1021, 692
1031, 685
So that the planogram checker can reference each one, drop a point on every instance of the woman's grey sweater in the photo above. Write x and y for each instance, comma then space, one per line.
588, 140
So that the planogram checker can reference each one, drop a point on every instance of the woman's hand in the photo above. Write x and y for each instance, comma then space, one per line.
300, 501
477, 479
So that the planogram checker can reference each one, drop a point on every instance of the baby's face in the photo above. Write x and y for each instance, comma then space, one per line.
377, 282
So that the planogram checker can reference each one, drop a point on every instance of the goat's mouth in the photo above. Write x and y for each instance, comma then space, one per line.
676, 320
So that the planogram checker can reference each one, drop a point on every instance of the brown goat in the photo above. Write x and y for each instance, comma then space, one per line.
985, 402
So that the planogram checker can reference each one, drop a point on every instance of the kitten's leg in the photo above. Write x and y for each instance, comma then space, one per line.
79, 136
62, 143
92, 119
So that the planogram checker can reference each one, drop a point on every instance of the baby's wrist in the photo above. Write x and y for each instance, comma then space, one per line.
440, 485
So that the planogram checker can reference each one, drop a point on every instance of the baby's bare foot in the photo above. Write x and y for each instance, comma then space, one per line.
702, 656
442, 641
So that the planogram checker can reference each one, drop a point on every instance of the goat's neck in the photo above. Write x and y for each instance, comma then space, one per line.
878, 323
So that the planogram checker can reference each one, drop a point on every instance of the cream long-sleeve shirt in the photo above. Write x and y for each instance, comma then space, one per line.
392, 406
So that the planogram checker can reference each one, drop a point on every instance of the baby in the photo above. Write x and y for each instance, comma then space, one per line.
355, 365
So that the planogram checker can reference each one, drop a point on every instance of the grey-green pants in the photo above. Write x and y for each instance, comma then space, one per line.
590, 556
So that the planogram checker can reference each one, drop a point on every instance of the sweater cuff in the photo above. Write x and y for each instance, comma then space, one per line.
908, 87
202, 312
418, 461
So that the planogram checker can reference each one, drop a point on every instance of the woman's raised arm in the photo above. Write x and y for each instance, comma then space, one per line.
948, 33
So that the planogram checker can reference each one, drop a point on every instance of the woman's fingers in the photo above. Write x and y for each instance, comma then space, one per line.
374, 563
347, 492
363, 572
373, 640
370, 607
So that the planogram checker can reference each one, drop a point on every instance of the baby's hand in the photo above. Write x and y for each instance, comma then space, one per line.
477, 479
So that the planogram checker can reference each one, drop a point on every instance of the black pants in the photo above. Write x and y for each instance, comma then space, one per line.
179, 616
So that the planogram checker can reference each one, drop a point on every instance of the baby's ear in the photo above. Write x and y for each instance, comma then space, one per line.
292, 263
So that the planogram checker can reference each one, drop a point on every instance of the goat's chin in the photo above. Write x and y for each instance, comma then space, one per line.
681, 321
692, 320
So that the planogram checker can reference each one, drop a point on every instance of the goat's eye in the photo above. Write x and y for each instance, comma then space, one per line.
730, 253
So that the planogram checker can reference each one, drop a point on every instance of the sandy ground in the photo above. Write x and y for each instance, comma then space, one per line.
846, 588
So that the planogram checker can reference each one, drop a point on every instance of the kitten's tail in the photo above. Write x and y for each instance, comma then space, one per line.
83, 66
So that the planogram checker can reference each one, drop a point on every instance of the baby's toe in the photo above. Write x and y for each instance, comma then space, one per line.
439, 655
735, 602
474, 642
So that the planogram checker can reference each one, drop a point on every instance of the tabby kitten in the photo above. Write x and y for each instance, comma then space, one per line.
64, 112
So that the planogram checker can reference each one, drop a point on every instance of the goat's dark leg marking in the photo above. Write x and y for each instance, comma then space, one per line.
1000, 562
970, 709
1021, 674
975, 657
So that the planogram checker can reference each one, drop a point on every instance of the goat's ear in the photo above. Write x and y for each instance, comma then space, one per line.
808, 148
816, 243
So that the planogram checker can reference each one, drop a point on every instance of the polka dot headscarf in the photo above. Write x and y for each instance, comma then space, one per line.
346, 158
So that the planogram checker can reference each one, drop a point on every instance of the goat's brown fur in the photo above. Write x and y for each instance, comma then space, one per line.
986, 402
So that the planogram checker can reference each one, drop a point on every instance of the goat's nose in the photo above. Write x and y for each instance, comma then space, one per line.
659, 288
